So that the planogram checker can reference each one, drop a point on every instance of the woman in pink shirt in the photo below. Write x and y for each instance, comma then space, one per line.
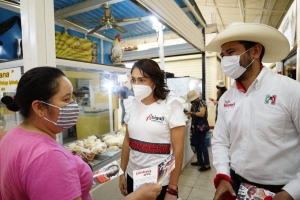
33, 165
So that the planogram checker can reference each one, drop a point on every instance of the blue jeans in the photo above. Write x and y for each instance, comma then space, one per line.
202, 151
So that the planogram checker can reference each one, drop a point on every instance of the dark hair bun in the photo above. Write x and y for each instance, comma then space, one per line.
10, 103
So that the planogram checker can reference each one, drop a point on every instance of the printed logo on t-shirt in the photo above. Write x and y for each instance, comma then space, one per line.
228, 104
154, 118
270, 99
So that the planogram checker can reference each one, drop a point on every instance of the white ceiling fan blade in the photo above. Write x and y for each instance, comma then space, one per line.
119, 28
95, 29
128, 19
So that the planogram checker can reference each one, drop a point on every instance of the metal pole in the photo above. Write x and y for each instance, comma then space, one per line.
203, 69
158, 27
298, 40
110, 109
161, 47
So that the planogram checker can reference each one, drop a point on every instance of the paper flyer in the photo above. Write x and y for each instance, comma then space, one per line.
251, 192
107, 173
155, 174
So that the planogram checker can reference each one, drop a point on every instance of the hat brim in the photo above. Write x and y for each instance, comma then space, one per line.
276, 44
192, 99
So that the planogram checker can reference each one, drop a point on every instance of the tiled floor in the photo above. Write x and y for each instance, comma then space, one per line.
196, 185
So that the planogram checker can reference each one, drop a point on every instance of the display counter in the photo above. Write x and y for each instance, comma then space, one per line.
109, 190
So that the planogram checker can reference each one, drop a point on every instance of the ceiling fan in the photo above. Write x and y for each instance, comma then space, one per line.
108, 21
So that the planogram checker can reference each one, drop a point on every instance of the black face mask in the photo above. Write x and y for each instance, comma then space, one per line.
192, 102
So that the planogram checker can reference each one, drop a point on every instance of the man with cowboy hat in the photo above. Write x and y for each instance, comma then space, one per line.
257, 136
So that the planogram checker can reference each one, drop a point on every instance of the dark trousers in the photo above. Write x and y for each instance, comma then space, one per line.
161, 196
237, 180
202, 151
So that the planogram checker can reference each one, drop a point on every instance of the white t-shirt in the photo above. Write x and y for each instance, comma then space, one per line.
149, 126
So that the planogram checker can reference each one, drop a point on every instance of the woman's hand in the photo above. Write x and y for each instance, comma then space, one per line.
170, 197
215, 102
188, 113
148, 191
122, 185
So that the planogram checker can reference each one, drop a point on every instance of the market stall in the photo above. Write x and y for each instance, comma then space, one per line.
89, 82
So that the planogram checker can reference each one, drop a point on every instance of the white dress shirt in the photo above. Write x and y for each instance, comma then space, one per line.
258, 132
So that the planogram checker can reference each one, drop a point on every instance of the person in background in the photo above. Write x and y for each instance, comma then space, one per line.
123, 93
221, 89
199, 128
33, 165
257, 137
155, 128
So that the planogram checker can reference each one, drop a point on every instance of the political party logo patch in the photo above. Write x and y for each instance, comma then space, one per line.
270, 99
154, 118
228, 104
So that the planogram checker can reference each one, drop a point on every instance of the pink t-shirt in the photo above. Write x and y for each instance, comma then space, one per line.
34, 166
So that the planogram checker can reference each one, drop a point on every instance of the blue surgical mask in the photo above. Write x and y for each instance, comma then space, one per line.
231, 66
68, 115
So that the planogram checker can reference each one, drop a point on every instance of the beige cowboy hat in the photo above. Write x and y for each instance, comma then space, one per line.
220, 83
276, 44
192, 95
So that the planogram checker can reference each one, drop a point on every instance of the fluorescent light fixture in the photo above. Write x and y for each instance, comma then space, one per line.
154, 19
129, 65
156, 25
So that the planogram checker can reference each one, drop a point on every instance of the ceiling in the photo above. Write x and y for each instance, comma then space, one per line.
182, 18
223, 12
74, 10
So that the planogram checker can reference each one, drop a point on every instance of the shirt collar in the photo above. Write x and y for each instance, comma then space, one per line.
262, 76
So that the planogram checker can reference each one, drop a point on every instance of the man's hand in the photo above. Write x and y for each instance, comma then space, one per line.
223, 187
283, 195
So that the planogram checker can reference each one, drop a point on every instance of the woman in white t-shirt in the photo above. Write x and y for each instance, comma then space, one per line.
155, 128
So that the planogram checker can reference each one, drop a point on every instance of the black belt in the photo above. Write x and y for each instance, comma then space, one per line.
272, 188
